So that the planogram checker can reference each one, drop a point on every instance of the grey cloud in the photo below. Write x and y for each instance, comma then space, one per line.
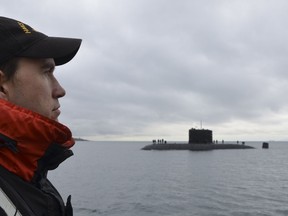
147, 68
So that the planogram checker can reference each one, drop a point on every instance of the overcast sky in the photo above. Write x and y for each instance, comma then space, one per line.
150, 69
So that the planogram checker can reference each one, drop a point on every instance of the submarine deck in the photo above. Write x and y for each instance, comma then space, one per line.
195, 147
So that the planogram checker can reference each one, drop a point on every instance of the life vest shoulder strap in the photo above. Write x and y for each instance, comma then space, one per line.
11, 201
7, 205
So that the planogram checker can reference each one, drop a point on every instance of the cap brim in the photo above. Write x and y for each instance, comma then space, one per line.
62, 50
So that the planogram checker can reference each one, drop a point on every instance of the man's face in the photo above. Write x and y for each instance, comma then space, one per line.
35, 87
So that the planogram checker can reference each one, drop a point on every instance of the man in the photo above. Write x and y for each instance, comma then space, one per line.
32, 141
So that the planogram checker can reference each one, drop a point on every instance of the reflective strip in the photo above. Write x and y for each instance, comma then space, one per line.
7, 205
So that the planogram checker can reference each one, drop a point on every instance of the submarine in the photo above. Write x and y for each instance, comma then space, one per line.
199, 140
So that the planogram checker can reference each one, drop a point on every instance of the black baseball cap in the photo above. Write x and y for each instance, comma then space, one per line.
18, 39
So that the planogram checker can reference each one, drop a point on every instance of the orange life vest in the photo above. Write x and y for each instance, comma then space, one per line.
30, 145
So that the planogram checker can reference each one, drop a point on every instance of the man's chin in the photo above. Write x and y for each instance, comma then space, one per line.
54, 118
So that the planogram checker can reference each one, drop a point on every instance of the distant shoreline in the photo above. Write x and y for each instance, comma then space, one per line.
80, 139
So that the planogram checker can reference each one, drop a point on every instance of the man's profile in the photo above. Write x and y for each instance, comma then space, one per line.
32, 141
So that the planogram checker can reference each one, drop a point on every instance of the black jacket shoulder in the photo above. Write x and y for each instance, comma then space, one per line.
31, 199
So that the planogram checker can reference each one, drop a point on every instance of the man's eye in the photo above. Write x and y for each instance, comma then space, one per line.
49, 71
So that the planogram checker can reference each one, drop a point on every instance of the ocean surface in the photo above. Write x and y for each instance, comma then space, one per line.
118, 178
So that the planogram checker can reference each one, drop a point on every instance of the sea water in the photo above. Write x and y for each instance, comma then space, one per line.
118, 178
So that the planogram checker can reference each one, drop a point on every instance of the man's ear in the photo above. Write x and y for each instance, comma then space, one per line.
3, 92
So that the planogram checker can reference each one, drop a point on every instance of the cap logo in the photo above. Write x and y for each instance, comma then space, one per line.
24, 28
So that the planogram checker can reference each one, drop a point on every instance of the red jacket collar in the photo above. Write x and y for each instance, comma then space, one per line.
33, 135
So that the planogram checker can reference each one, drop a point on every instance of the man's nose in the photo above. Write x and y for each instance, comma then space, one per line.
58, 90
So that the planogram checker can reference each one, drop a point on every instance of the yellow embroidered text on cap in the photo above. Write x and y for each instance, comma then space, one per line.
24, 28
